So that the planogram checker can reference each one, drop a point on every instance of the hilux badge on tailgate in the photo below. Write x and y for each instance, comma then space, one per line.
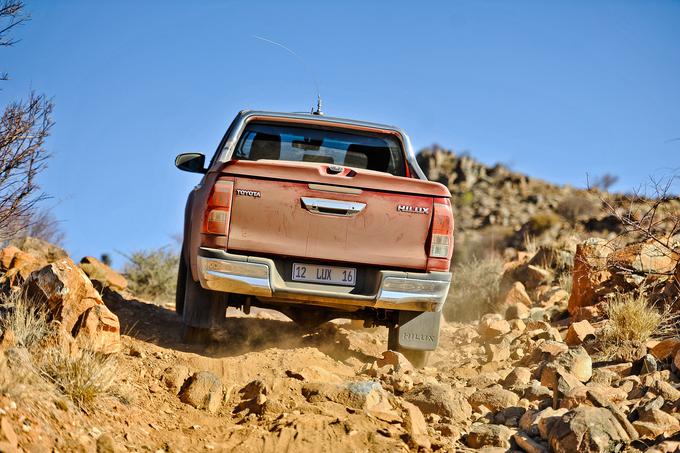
413, 209
249, 193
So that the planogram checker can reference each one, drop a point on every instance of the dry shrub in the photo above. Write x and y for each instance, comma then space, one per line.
24, 127
152, 274
576, 207
476, 245
540, 223
474, 289
530, 244
83, 378
23, 318
604, 182
565, 281
633, 319
42, 224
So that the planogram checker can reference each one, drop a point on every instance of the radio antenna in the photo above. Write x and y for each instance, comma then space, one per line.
318, 110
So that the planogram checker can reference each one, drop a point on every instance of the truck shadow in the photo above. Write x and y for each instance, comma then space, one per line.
161, 326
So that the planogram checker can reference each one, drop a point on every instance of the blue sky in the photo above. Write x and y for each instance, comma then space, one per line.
555, 89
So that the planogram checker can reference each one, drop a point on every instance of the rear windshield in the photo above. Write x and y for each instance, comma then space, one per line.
329, 146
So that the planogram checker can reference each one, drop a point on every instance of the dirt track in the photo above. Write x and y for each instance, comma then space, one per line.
264, 346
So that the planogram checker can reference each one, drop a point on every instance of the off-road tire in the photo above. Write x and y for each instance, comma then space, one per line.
417, 358
202, 310
197, 335
181, 286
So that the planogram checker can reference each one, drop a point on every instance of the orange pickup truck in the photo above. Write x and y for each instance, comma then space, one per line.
318, 218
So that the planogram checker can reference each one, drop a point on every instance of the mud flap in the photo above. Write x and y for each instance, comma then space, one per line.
419, 331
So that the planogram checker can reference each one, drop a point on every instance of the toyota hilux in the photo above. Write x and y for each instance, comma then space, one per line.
318, 218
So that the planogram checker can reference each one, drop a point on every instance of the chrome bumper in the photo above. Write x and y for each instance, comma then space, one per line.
259, 277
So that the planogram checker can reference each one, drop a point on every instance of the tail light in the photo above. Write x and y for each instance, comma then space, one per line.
441, 236
218, 209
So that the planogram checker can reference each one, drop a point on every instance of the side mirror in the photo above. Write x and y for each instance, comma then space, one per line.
191, 162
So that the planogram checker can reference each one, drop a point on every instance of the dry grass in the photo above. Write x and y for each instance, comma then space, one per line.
20, 316
530, 244
632, 319
479, 244
474, 289
566, 281
83, 377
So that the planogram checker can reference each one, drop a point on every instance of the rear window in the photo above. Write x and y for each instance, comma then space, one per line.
300, 144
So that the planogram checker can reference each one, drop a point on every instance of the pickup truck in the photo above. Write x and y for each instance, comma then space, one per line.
318, 218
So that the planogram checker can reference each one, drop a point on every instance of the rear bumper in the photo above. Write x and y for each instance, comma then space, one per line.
260, 277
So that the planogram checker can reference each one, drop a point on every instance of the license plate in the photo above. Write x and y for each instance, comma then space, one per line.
345, 276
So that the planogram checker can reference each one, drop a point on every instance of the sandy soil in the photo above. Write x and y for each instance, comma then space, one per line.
264, 347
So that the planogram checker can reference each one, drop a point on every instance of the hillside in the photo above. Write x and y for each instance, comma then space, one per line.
551, 343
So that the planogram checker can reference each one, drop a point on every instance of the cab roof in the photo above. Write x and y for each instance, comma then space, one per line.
321, 118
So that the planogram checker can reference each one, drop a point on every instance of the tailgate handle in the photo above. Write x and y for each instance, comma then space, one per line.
332, 207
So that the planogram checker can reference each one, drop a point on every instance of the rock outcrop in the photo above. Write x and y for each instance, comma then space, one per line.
102, 275
75, 305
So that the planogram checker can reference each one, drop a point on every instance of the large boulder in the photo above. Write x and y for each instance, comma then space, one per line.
578, 332
492, 325
16, 265
102, 274
644, 257
590, 271
494, 398
415, 426
577, 361
40, 248
666, 348
517, 294
655, 422
23, 256
600, 270
529, 275
440, 399
71, 300
6, 256
483, 435
203, 390
587, 429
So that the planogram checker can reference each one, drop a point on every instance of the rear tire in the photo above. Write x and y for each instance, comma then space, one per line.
417, 357
196, 335
203, 310
181, 286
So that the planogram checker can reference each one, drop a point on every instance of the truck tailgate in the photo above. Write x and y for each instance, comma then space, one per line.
328, 217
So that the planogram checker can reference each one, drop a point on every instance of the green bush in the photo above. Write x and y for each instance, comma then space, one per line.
152, 274
467, 198
540, 223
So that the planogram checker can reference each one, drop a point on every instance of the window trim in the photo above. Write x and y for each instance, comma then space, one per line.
403, 166
228, 143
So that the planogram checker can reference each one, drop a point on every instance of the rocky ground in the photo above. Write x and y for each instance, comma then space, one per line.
531, 379
545, 363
